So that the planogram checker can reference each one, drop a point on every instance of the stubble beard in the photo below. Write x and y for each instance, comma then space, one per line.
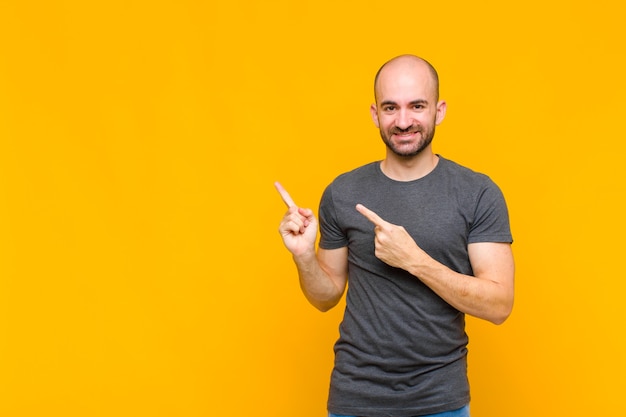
427, 136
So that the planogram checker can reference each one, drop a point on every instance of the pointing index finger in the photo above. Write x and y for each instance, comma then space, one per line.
284, 195
370, 215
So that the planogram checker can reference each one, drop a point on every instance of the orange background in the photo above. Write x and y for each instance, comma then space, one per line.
141, 272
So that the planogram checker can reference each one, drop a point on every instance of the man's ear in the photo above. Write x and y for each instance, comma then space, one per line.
374, 113
441, 111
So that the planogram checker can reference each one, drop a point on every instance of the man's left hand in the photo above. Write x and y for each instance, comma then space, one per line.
393, 244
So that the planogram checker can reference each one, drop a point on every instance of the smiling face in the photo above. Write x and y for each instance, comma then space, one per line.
406, 110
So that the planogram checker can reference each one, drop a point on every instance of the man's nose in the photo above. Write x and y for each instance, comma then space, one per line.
404, 120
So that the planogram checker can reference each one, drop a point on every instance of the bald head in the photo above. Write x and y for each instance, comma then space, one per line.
407, 64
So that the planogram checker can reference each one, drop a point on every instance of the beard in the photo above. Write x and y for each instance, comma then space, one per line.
402, 150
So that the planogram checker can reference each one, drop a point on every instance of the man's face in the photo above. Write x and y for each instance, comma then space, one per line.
406, 110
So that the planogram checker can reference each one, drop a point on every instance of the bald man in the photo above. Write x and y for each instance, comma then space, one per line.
422, 242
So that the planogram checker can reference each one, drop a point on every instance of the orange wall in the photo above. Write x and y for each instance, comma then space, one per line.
141, 272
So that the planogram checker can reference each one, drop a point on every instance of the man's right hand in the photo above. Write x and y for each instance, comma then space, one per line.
298, 227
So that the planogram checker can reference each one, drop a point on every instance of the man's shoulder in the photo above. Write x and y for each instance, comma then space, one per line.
460, 172
363, 172
353, 183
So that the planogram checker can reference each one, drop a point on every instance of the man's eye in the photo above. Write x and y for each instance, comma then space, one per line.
388, 108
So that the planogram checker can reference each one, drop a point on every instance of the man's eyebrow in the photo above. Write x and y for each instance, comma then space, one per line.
414, 102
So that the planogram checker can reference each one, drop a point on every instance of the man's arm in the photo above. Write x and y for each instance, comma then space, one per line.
323, 277
323, 274
487, 295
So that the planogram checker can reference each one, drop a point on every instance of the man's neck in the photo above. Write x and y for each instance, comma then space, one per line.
408, 169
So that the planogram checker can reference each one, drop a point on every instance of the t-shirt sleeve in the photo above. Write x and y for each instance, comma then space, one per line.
491, 217
332, 235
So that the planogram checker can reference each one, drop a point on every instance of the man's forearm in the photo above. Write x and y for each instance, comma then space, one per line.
316, 284
475, 296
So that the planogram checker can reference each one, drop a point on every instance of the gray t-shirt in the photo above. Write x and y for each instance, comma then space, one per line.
402, 349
